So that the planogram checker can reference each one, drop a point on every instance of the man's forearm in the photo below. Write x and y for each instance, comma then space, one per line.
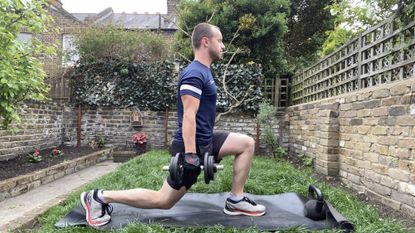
189, 133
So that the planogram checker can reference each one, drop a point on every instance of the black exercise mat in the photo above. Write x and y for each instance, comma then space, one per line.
199, 209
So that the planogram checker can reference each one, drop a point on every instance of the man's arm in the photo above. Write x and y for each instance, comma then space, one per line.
190, 107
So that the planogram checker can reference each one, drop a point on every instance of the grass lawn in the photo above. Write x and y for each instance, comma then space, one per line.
267, 176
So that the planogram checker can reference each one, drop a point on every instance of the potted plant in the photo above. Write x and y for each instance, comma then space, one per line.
140, 142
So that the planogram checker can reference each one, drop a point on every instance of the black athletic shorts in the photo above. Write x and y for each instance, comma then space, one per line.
213, 148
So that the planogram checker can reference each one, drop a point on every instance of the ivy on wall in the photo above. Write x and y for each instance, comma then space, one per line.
115, 83
243, 82
119, 68
152, 86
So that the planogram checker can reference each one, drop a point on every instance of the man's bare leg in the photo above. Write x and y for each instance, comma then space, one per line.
243, 147
165, 198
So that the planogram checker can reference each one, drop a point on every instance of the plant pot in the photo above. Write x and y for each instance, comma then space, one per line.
140, 148
123, 156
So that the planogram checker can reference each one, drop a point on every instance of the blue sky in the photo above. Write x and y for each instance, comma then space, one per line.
127, 6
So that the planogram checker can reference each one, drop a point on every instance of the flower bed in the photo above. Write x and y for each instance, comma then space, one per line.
25, 176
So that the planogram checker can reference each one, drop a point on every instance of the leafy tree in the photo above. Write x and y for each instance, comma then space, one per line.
21, 73
405, 11
353, 17
255, 27
307, 25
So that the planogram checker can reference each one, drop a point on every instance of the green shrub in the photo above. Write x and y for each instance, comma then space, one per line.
266, 117
99, 44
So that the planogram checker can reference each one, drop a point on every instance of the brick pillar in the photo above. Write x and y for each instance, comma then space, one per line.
327, 151
284, 129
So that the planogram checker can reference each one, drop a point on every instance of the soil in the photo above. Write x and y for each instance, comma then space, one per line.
385, 211
21, 165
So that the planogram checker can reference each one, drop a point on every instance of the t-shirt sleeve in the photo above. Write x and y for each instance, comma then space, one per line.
191, 86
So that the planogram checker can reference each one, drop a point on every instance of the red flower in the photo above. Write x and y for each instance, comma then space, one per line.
139, 138
55, 151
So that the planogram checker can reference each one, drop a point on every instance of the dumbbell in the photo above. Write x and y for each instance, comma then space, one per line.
176, 168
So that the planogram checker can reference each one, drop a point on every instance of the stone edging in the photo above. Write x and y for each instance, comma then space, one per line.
18, 185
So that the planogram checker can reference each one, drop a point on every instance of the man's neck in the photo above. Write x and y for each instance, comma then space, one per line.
204, 60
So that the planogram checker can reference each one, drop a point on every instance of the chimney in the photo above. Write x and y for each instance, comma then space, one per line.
171, 9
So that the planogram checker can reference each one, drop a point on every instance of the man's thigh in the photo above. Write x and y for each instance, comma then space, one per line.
235, 144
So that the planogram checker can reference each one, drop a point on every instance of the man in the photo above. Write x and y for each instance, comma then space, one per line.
197, 95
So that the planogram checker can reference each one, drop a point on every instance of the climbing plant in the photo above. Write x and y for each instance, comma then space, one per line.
126, 68
152, 86
122, 84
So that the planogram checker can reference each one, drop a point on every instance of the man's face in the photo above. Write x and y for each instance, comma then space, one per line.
216, 46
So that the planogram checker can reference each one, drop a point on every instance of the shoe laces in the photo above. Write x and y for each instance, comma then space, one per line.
249, 201
107, 208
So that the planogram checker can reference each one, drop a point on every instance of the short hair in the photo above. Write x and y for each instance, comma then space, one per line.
201, 30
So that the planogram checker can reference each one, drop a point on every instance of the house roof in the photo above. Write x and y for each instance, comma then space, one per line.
129, 21
57, 6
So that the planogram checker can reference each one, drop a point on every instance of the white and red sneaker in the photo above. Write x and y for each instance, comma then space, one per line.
243, 207
97, 213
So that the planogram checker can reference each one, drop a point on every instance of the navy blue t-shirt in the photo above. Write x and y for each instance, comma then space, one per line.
197, 80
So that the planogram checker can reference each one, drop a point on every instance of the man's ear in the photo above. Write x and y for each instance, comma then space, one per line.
205, 41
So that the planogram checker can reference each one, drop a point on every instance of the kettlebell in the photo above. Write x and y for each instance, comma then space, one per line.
314, 207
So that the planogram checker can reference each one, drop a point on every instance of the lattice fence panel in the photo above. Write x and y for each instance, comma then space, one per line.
381, 54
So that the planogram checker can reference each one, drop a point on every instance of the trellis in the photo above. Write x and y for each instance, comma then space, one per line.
382, 54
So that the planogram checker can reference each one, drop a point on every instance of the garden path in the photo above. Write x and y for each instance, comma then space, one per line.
22, 211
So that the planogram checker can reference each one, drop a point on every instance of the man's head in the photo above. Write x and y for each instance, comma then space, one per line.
208, 37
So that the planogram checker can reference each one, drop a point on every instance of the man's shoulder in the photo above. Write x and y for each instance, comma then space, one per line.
193, 70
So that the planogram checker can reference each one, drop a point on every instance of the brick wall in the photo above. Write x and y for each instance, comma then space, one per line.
314, 130
115, 125
367, 138
50, 124
42, 126
63, 24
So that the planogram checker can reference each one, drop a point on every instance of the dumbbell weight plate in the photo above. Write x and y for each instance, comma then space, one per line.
176, 168
208, 168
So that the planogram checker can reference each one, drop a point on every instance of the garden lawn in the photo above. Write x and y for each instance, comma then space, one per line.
268, 176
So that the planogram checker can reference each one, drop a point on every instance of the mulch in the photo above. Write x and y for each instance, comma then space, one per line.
21, 165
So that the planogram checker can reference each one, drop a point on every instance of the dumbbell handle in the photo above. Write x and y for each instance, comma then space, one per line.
218, 167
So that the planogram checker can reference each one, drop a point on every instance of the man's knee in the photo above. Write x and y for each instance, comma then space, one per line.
165, 204
250, 143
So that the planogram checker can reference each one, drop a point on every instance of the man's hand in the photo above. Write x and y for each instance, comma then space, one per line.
191, 162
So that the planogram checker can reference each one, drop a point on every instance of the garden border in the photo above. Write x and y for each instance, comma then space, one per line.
21, 184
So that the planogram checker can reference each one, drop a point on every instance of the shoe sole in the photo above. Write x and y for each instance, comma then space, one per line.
87, 213
235, 213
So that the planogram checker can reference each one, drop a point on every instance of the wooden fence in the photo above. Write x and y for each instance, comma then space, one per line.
382, 54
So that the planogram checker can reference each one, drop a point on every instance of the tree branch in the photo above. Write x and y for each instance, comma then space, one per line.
181, 55
14, 21
181, 29
237, 104
211, 17
235, 35
225, 89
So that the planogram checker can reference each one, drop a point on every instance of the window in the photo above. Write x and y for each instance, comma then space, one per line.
70, 55
25, 37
